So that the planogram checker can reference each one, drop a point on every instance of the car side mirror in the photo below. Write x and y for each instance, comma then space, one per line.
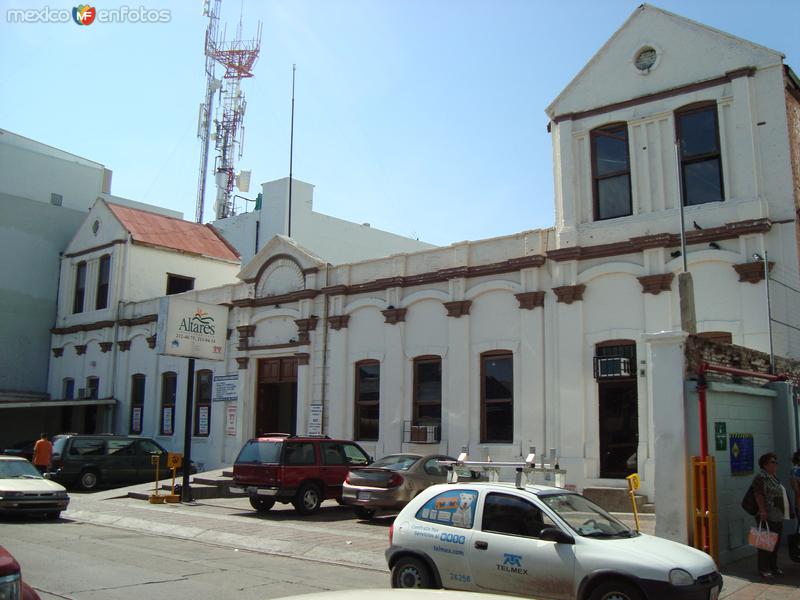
553, 534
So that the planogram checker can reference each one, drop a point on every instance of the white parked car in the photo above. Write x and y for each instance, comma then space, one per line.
538, 541
23, 490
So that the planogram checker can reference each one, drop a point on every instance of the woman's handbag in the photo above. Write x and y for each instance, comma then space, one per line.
749, 504
794, 544
762, 538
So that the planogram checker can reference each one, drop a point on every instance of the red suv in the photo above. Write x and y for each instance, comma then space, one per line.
303, 470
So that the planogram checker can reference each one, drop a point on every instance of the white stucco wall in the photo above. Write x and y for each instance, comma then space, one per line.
32, 170
335, 240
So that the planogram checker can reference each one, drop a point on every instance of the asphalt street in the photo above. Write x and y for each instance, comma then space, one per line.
108, 546
79, 561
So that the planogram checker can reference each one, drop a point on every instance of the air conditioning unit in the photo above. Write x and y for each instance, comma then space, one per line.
612, 367
83, 393
424, 434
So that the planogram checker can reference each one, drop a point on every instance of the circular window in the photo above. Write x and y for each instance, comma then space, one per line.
645, 58
95, 227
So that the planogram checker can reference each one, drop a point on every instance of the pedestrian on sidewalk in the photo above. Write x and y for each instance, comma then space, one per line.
42, 452
773, 509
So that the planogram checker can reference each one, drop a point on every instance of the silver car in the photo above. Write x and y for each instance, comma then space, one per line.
391, 482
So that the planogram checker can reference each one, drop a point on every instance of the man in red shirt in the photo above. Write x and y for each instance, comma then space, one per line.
42, 452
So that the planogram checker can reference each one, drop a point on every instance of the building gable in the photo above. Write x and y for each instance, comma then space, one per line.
100, 229
685, 52
280, 267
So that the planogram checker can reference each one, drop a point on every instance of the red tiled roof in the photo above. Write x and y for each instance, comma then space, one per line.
166, 232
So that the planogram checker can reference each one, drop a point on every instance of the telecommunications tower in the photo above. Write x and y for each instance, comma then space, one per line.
237, 58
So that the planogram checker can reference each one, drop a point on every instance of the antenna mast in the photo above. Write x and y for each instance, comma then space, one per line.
237, 57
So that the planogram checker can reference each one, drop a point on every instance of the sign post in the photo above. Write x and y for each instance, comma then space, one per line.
193, 330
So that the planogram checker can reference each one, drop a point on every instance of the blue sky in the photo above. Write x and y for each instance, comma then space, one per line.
422, 117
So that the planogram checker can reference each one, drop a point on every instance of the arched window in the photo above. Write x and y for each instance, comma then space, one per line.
497, 397
427, 401
202, 406
701, 161
169, 386
80, 287
137, 402
103, 274
367, 401
611, 172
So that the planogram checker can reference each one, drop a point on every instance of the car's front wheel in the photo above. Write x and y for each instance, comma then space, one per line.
615, 589
261, 504
362, 512
88, 480
53, 515
411, 572
308, 499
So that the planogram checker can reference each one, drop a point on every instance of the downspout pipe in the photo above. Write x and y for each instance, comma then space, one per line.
325, 313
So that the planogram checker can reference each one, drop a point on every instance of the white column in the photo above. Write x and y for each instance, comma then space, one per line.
665, 361
392, 390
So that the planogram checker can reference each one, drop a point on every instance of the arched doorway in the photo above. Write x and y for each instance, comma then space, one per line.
618, 407
276, 399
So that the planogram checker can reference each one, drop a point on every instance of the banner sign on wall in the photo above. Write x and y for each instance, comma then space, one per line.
741, 453
226, 388
230, 420
315, 419
191, 329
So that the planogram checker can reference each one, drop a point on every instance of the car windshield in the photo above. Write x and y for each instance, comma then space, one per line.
396, 462
585, 517
256, 451
18, 469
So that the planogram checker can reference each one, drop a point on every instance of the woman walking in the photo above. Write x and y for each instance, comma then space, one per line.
773, 508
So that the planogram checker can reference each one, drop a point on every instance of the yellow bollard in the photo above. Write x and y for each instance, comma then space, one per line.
633, 485
174, 461
155, 498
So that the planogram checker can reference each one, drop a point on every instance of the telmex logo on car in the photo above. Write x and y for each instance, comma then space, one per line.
512, 563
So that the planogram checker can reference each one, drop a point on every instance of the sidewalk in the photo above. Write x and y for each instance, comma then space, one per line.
333, 536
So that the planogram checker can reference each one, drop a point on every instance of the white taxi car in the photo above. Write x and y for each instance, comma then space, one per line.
538, 541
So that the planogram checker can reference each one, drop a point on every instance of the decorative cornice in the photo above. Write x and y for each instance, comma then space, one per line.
661, 240
335, 290
752, 272
94, 249
58, 352
245, 333
241, 362
338, 322
143, 320
80, 349
106, 346
302, 357
569, 293
670, 93
530, 300
392, 316
151, 341
124, 345
280, 299
85, 327
458, 308
277, 346
306, 325
655, 284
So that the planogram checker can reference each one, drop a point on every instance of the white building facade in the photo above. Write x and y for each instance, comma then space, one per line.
541, 338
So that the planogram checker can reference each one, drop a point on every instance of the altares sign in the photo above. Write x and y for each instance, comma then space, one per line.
192, 329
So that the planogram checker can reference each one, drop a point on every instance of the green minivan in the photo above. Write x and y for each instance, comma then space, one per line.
87, 461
